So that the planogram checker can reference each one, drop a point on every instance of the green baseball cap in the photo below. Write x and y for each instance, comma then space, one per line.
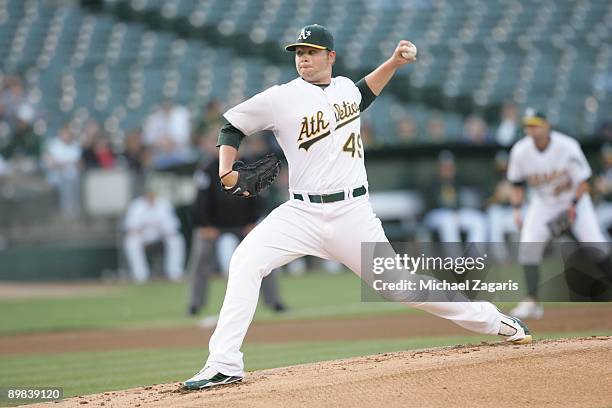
313, 35
534, 117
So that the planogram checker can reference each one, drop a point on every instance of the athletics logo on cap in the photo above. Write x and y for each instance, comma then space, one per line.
315, 36
304, 34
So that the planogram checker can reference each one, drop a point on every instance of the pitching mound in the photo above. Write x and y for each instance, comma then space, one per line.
552, 373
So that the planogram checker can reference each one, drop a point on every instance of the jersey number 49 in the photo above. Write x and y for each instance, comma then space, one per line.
353, 145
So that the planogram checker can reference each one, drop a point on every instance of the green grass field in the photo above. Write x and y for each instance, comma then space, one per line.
313, 295
160, 304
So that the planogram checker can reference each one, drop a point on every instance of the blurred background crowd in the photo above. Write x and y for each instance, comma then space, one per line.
103, 102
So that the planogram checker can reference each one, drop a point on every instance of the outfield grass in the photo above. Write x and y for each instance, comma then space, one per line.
313, 295
163, 304
93, 372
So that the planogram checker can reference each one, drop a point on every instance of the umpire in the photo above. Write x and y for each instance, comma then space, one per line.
216, 214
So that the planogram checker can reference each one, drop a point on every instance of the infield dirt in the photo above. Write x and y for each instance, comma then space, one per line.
548, 373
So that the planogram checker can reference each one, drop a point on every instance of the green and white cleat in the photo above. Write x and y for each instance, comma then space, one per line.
208, 377
514, 330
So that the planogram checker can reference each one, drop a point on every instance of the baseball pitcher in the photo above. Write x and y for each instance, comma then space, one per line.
315, 119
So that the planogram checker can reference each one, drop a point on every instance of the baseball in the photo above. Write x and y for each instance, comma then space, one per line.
410, 51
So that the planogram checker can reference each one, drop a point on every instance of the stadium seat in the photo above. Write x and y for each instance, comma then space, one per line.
473, 55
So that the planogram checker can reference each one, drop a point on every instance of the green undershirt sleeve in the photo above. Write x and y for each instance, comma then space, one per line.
230, 135
367, 96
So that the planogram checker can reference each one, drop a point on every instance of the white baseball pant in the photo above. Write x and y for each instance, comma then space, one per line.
174, 255
330, 231
500, 223
535, 233
450, 222
604, 215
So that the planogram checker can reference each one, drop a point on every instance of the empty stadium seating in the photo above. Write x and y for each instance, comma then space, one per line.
115, 64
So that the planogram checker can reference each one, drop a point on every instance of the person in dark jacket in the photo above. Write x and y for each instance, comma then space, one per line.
220, 222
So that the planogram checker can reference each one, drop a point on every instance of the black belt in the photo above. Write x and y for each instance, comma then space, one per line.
330, 198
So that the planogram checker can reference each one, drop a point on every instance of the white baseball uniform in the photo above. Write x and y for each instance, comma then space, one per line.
319, 132
553, 175
145, 223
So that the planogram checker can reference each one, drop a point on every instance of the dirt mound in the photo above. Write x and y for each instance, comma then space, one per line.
553, 373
